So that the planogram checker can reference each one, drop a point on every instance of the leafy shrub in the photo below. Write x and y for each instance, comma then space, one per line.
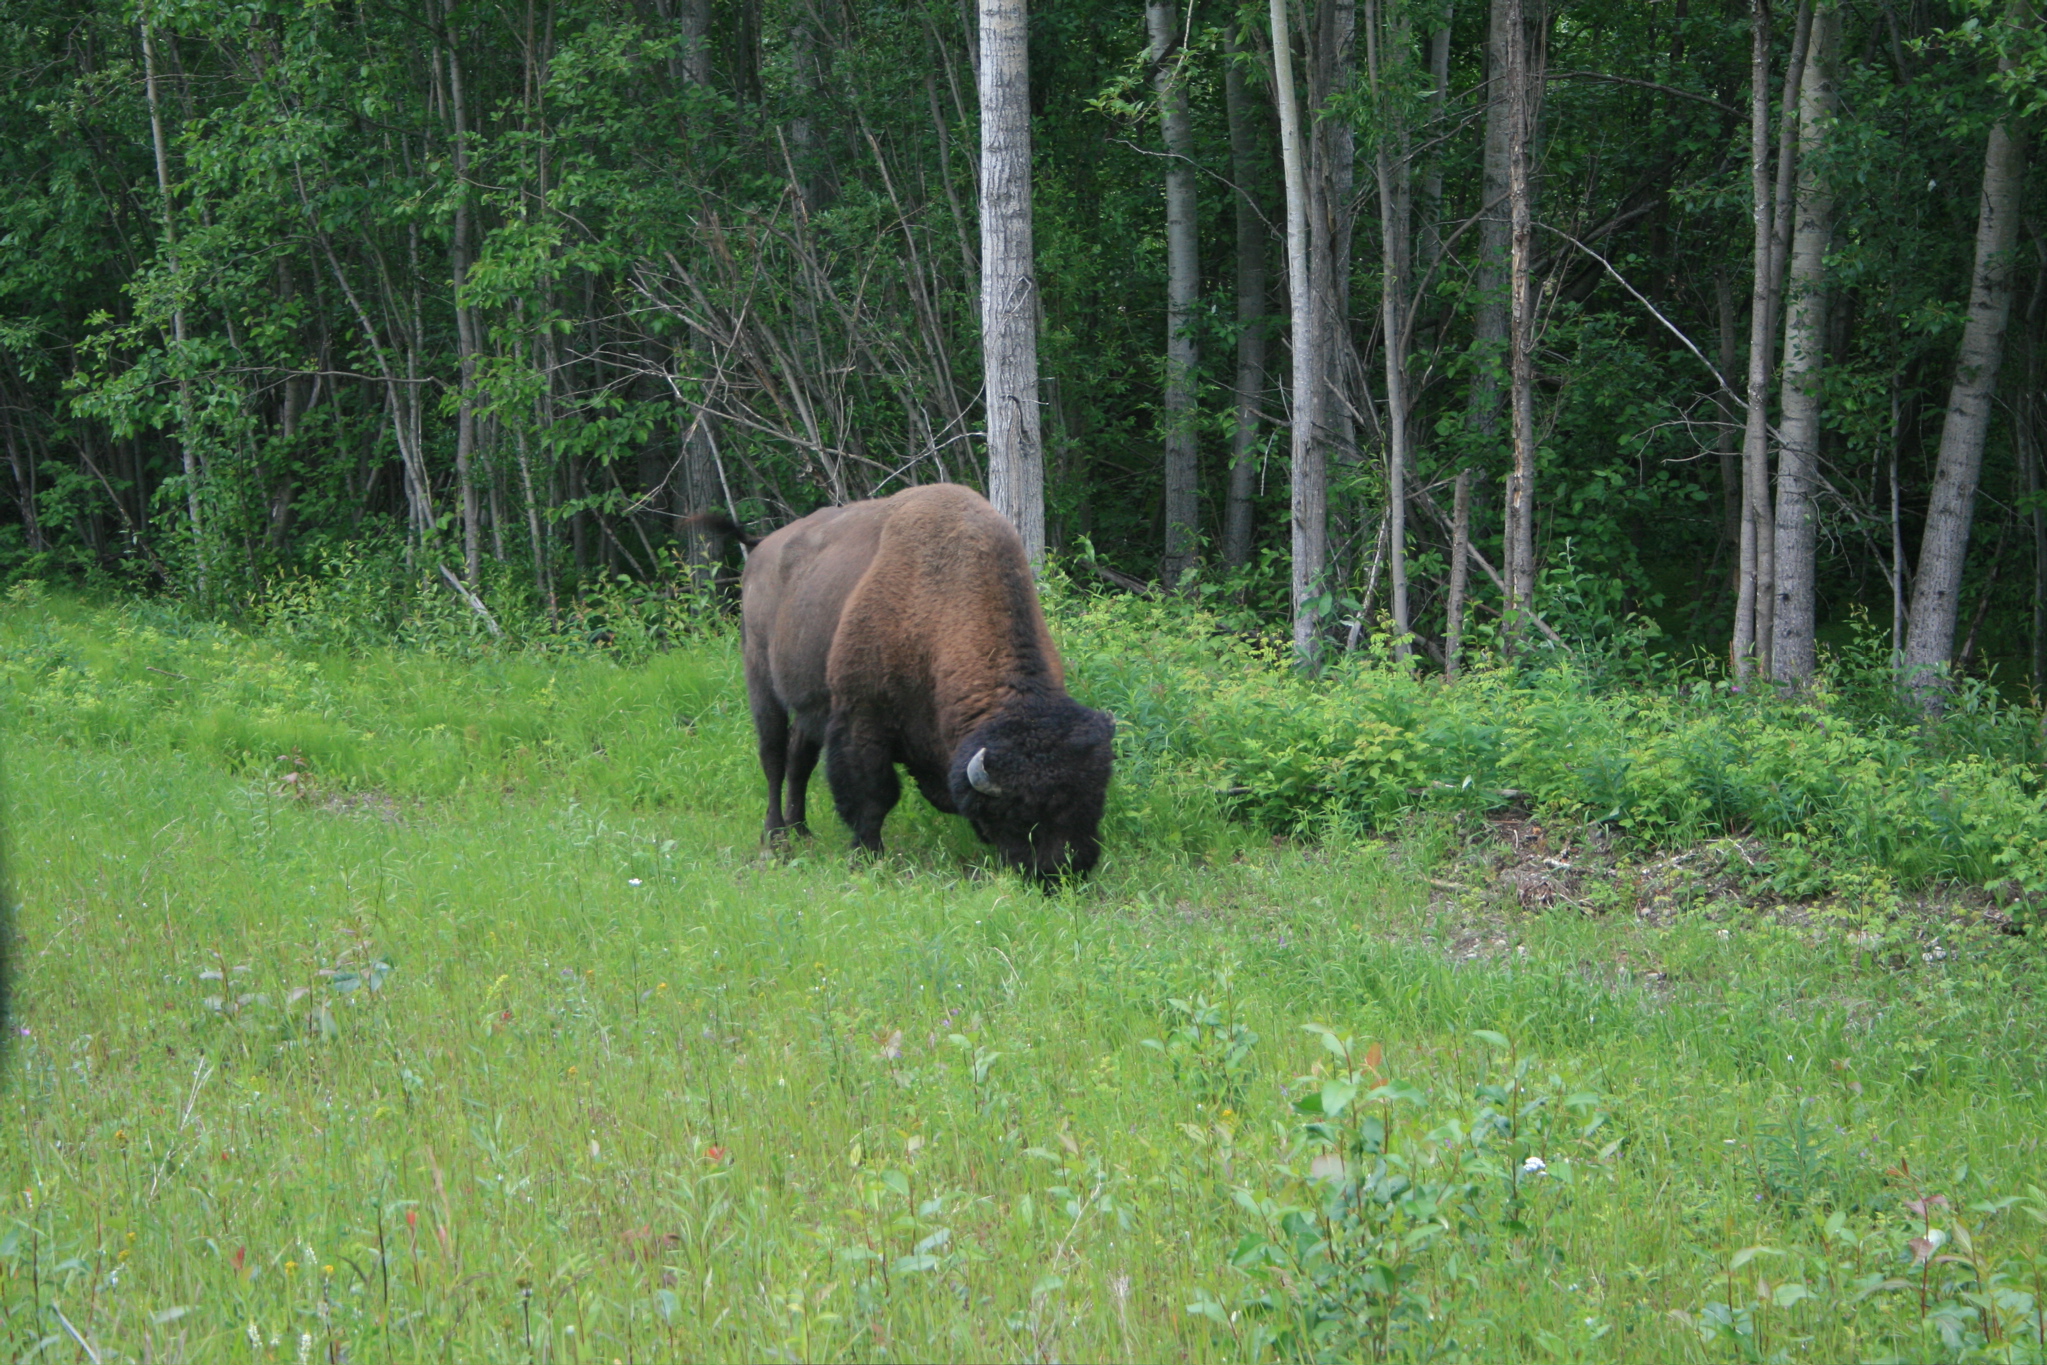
1841, 772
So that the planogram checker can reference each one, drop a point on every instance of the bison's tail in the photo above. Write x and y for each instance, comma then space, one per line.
720, 525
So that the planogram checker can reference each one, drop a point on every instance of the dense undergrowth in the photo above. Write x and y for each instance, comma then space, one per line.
433, 1001
1216, 725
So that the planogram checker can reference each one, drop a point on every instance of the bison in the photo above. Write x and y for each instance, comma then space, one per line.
906, 630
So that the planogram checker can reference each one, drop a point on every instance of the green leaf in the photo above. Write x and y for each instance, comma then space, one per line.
1336, 1095
1747, 1254
1486, 1035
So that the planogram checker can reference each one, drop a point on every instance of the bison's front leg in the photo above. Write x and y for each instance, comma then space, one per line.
862, 772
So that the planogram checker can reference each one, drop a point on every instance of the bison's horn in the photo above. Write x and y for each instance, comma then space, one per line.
977, 774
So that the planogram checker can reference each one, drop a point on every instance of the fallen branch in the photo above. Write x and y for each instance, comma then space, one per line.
1490, 572
1121, 580
475, 603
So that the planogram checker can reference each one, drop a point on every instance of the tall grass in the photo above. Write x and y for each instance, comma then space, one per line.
386, 1004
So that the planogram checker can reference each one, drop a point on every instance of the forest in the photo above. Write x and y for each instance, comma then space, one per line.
1716, 325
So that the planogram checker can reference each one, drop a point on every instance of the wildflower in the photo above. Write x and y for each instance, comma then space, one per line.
255, 1336
291, 1267
412, 1218
1535, 1165
632, 881
305, 1347
714, 1153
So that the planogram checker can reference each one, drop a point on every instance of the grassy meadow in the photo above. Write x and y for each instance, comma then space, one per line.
385, 1004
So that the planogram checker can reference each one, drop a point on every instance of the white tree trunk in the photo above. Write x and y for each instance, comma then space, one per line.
1936, 591
1771, 218
1793, 655
1183, 291
1390, 39
1460, 576
1310, 472
1009, 291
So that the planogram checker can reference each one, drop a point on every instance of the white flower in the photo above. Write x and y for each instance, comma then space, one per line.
632, 881
1535, 1165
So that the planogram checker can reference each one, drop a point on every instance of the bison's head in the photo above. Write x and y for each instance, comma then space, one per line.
1032, 782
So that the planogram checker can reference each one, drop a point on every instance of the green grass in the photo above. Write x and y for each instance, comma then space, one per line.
478, 1029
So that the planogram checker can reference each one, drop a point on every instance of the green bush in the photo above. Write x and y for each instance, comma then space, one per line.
1843, 770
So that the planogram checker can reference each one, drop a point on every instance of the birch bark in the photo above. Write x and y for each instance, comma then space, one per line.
1310, 474
1389, 39
1792, 654
1009, 295
1183, 291
1937, 587
1523, 80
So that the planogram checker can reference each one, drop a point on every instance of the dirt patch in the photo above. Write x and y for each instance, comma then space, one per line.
374, 805
1519, 863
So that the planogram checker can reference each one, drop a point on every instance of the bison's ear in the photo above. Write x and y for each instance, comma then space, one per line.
1093, 730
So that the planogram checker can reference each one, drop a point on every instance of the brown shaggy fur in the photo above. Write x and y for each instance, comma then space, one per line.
906, 630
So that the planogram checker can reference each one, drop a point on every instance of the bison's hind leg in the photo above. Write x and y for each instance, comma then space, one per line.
862, 773
772, 732
804, 749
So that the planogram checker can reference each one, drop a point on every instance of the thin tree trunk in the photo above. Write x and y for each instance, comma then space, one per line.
1388, 40
1009, 294
1524, 78
542, 578
1726, 442
23, 464
1936, 592
1495, 232
1989, 593
1310, 473
1771, 211
2029, 452
187, 455
1439, 101
1330, 47
1460, 576
1183, 291
1781, 203
1253, 247
1793, 655
466, 333
1900, 613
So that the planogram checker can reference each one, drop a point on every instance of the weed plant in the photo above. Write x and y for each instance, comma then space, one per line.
435, 1002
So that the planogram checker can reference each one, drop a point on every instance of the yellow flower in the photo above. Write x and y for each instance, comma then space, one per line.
291, 1267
